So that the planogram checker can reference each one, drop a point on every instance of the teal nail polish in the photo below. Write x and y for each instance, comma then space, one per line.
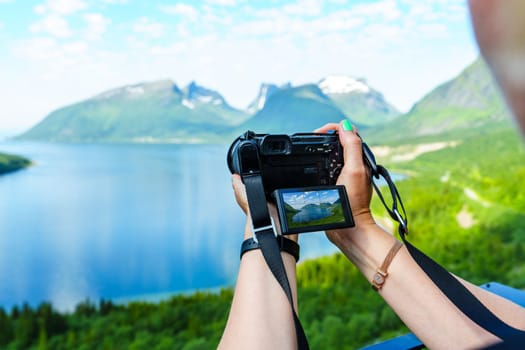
347, 125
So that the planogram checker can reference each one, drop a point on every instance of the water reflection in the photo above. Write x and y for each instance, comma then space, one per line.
311, 213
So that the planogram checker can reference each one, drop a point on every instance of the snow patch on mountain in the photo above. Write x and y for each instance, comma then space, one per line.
135, 90
187, 103
338, 84
265, 92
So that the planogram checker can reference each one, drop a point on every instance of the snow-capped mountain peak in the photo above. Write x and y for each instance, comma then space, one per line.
201, 95
338, 84
265, 91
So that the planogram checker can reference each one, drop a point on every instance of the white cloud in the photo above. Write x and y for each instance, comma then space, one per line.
221, 2
63, 7
383, 10
74, 48
187, 11
115, 1
40, 9
43, 48
52, 24
54, 14
36, 49
96, 25
151, 29
304, 8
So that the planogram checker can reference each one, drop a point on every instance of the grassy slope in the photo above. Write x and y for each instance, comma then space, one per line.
9, 163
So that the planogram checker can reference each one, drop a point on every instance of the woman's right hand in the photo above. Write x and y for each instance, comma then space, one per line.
356, 179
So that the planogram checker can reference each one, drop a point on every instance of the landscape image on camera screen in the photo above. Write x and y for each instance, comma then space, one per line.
313, 208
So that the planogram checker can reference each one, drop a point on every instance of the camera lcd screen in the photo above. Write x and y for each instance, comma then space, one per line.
313, 209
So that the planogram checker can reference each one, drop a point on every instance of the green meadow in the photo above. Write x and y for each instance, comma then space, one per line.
336, 216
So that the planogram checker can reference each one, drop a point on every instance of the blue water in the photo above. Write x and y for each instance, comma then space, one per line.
119, 221
311, 213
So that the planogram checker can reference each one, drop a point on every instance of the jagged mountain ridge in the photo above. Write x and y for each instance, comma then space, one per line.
360, 102
162, 112
265, 92
296, 109
154, 111
354, 97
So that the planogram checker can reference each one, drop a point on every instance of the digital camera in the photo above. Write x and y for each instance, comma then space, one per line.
298, 173
286, 161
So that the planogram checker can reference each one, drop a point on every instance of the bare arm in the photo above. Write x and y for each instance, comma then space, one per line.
260, 315
408, 290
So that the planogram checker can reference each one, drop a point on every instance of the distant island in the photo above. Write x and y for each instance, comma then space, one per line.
10, 163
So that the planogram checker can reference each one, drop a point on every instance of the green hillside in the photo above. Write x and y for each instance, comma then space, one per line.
467, 103
9, 163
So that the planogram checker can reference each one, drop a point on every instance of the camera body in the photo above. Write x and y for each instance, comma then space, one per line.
288, 161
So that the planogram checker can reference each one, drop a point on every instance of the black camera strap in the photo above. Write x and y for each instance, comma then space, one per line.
455, 291
265, 234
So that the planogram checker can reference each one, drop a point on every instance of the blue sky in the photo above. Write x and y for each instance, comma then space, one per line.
57, 52
299, 199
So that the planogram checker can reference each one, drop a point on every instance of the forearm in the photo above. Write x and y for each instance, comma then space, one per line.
416, 300
260, 315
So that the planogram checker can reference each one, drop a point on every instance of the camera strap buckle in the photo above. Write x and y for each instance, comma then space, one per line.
258, 230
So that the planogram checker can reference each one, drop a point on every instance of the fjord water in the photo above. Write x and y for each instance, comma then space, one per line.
119, 222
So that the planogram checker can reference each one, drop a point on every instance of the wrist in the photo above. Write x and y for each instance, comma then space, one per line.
365, 246
364, 222
285, 245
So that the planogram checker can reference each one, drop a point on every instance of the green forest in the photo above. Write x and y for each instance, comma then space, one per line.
466, 209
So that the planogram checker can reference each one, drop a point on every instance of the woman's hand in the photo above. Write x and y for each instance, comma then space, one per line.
356, 179
240, 193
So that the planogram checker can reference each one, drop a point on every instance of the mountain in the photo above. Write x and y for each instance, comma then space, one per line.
289, 209
467, 103
265, 91
331, 98
162, 112
148, 112
294, 109
358, 101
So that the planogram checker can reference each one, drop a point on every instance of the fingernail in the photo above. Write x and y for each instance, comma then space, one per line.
347, 126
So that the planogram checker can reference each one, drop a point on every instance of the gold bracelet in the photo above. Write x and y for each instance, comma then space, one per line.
381, 272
